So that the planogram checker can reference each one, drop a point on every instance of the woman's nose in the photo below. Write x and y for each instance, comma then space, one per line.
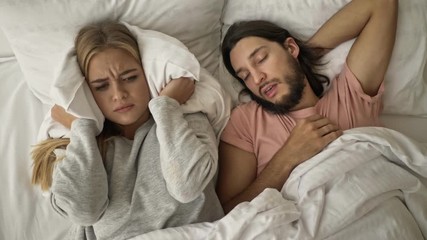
119, 92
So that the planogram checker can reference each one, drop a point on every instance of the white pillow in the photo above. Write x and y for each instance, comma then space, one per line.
406, 78
40, 32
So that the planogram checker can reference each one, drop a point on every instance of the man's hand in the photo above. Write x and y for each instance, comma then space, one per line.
59, 114
308, 138
180, 89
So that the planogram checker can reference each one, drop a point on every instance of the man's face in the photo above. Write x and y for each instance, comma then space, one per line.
270, 71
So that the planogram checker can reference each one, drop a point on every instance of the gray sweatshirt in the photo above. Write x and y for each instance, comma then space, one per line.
165, 177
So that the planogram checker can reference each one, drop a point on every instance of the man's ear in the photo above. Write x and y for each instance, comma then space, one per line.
291, 46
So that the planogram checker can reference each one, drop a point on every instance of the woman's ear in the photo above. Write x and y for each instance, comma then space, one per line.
291, 46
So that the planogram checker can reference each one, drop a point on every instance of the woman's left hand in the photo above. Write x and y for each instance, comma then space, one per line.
59, 114
179, 89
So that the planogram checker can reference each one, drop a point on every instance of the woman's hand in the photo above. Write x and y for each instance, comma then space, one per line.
179, 89
59, 114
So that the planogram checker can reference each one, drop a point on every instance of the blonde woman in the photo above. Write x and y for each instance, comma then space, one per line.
152, 167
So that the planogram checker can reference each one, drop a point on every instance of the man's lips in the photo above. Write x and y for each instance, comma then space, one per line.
123, 108
269, 89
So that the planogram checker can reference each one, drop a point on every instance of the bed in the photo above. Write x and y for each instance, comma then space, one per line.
33, 35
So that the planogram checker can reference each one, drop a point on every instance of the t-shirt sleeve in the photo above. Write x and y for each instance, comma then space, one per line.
237, 132
355, 86
348, 105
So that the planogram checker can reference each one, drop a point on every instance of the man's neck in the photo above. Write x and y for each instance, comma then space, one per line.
308, 99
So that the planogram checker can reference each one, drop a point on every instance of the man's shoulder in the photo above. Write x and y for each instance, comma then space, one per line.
244, 112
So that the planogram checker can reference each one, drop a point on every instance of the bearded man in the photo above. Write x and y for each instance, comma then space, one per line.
290, 117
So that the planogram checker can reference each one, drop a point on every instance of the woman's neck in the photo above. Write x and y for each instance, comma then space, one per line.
129, 131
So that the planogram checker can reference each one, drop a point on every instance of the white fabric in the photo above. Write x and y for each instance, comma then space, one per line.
24, 213
355, 174
406, 78
414, 127
358, 184
163, 59
5, 50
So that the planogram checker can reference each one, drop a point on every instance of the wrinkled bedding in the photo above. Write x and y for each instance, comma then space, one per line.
368, 184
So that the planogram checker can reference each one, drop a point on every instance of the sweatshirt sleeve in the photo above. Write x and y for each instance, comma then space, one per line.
79, 183
188, 150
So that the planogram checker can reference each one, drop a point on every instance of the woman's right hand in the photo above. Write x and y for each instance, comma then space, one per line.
180, 89
59, 114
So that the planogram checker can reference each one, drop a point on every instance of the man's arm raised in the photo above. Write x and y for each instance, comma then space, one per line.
374, 23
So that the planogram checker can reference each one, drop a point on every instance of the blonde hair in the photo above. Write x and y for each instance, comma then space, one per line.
90, 40
95, 38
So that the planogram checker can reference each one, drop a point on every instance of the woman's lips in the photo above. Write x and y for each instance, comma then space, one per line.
124, 108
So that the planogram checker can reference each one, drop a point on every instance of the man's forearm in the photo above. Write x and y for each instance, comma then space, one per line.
273, 176
346, 24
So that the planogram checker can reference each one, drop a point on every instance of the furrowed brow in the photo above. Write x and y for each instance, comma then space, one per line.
127, 71
99, 80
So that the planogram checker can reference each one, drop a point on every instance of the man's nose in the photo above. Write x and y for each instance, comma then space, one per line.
258, 76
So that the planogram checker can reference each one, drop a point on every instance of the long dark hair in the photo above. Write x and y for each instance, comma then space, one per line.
309, 58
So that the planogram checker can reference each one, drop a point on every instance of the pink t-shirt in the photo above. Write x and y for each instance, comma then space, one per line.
256, 130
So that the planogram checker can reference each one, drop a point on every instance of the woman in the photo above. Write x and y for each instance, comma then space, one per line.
152, 167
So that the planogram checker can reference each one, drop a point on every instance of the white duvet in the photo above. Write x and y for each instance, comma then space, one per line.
368, 184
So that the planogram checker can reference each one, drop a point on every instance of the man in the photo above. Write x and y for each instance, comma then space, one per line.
289, 120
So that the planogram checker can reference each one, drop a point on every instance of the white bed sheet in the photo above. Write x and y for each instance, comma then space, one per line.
337, 194
414, 127
5, 50
24, 212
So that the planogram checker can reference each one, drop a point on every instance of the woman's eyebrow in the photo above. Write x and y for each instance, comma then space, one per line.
99, 80
127, 71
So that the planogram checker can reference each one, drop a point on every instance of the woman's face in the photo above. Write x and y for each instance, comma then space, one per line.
118, 84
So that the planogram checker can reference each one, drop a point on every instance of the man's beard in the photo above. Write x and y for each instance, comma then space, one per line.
296, 84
